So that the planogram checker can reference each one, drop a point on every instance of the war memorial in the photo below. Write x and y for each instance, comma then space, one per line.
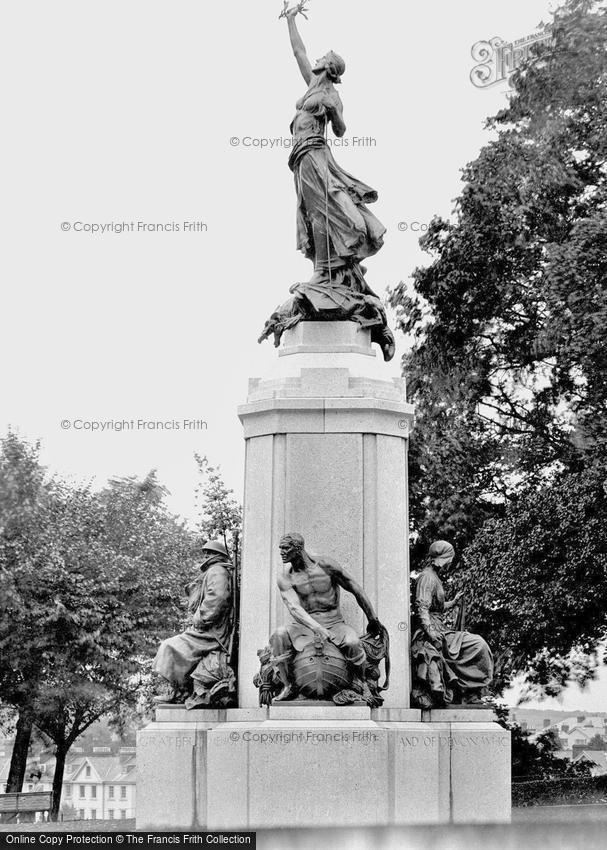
354, 705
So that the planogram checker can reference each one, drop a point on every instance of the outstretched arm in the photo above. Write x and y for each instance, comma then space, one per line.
297, 44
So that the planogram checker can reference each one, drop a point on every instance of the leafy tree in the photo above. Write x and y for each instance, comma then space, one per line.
89, 584
508, 365
24, 499
536, 582
220, 513
129, 585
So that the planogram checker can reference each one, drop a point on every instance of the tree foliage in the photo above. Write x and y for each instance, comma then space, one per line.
220, 515
508, 368
536, 582
89, 584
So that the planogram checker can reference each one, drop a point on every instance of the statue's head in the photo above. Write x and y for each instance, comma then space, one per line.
212, 550
333, 64
290, 546
441, 553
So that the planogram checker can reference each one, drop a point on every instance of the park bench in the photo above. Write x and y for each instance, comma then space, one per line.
14, 804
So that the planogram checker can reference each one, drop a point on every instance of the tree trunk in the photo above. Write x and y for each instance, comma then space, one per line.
60, 754
16, 773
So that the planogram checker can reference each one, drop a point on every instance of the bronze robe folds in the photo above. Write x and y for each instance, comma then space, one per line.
206, 641
464, 660
334, 225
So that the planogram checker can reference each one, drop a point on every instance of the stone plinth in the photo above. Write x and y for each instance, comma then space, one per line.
480, 773
327, 771
284, 711
326, 455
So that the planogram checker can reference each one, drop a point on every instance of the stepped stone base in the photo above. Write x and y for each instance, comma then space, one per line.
322, 766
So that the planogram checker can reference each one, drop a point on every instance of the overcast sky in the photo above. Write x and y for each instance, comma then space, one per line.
147, 112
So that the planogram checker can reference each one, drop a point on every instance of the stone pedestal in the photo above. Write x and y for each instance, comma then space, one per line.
326, 455
322, 766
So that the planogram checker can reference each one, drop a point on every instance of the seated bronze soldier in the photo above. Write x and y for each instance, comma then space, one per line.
195, 663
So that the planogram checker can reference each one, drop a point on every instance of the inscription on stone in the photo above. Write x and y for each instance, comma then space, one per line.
166, 741
480, 741
447, 741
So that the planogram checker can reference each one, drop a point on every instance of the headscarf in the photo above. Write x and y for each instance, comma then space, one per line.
441, 553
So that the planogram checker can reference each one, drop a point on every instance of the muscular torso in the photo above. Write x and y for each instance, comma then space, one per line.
317, 591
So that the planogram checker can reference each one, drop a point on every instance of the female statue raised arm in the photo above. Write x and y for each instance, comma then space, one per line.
335, 228
328, 65
299, 50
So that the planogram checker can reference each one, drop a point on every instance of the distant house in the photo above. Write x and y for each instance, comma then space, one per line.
99, 774
576, 737
596, 759
102, 787
578, 730
98, 787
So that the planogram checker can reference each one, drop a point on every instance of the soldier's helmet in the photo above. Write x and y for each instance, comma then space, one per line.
215, 546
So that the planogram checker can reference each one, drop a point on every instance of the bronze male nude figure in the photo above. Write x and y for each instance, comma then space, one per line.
310, 589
